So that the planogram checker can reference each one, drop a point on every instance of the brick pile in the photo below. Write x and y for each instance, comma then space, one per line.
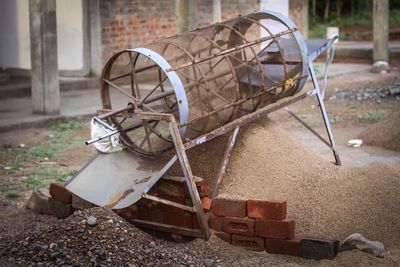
263, 225
255, 224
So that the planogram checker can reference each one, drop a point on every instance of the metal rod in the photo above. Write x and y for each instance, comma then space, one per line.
323, 113
246, 119
191, 185
224, 163
167, 228
168, 202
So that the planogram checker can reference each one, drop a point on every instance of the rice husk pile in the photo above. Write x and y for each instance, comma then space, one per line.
325, 200
385, 133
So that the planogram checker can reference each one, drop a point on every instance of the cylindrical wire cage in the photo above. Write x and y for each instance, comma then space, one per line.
205, 78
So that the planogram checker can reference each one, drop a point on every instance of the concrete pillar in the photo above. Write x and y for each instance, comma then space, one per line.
96, 63
186, 12
44, 64
216, 10
381, 30
298, 12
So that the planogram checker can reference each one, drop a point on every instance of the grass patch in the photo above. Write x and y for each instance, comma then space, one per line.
353, 104
26, 161
12, 195
369, 117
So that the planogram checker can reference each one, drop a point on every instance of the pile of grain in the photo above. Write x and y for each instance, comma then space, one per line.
325, 200
385, 133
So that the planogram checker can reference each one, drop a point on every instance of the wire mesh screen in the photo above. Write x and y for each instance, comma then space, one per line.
205, 77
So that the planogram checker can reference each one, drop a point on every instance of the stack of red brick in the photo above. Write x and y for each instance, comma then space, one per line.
255, 224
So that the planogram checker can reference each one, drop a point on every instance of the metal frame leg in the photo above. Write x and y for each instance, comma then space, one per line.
320, 99
187, 172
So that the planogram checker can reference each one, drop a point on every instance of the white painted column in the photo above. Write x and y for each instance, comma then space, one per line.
44, 63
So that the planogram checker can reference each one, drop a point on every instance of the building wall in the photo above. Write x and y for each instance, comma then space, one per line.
15, 36
298, 12
131, 23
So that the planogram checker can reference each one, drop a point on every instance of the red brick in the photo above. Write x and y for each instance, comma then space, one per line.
263, 209
224, 236
229, 207
59, 209
206, 203
216, 223
248, 242
283, 229
280, 246
239, 226
60, 193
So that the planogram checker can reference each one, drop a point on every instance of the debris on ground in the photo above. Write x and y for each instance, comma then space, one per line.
354, 142
358, 241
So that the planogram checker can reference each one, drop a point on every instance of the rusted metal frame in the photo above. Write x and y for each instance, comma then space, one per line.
132, 70
147, 137
194, 84
246, 119
260, 70
168, 202
136, 71
232, 71
260, 93
167, 228
282, 53
233, 49
184, 162
191, 185
224, 163
155, 88
135, 83
207, 105
136, 101
323, 113
115, 112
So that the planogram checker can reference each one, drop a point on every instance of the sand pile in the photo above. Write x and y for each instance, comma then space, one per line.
325, 200
385, 133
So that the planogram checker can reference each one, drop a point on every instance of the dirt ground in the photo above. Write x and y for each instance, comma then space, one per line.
274, 158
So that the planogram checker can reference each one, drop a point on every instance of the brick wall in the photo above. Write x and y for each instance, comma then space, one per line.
130, 23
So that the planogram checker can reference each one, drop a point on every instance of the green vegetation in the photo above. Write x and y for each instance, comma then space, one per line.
371, 117
342, 14
34, 166
353, 104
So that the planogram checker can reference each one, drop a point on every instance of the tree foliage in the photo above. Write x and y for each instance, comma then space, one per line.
335, 10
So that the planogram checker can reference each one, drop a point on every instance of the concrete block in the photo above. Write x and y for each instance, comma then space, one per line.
318, 249
264, 209
38, 202
283, 229
239, 226
59, 209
